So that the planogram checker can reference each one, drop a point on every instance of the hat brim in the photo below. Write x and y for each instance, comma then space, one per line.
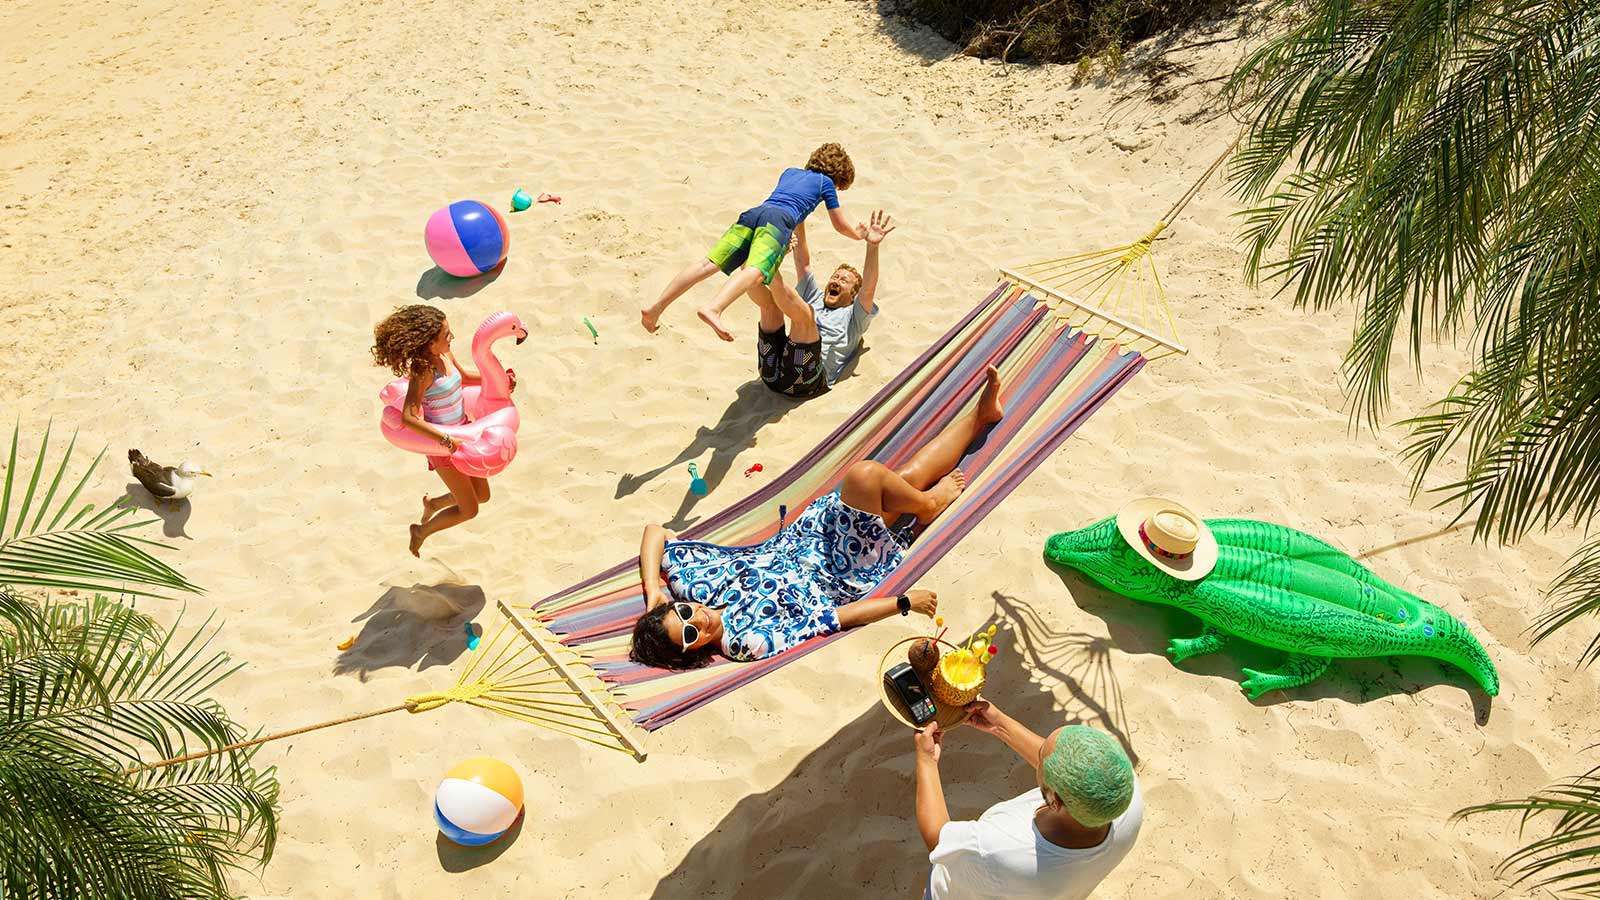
1200, 562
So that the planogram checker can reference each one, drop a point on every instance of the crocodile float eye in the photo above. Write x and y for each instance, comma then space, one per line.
1400, 613
1427, 630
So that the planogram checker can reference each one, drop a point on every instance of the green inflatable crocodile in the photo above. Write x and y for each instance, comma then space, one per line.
1284, 589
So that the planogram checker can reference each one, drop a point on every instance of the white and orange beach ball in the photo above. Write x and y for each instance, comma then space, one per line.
477, 801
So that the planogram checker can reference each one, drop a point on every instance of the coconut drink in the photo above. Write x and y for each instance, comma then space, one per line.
923, 656
958, 678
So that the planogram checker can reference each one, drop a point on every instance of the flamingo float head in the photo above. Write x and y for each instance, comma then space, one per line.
499, 325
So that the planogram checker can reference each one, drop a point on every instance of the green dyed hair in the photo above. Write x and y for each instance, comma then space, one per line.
1091, 775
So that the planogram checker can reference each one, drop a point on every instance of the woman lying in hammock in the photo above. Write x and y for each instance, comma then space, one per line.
756, 601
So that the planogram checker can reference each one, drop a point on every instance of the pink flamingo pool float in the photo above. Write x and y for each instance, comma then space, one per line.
487, 442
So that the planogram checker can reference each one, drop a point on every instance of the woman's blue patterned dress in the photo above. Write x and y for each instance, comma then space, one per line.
778, 593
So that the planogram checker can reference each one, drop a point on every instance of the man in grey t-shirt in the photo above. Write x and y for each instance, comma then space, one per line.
846, 304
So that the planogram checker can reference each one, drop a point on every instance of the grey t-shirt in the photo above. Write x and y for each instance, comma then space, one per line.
841, 329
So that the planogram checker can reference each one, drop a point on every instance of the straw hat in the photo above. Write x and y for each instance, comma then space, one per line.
1169, 537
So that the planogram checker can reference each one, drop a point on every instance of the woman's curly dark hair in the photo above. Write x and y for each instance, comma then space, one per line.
832, 161
652, 646
400, 342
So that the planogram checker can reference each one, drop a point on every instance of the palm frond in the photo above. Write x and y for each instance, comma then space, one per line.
86, 550
1568, 858
91, 689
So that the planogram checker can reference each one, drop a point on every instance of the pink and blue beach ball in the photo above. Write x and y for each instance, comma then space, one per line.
467, 238
478, 801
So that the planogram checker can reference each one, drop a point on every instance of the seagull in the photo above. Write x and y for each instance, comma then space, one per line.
165, 482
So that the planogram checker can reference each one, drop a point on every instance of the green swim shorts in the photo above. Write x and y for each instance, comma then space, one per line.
752, 242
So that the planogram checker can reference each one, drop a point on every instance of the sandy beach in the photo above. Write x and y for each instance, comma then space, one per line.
207, 209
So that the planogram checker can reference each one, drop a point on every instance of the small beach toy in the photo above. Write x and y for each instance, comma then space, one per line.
592, 332
549, 198
478, 801
697, 485
473, 636
520, 200
752, 470
467, 238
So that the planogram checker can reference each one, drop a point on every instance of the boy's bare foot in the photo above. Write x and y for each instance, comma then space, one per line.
650, 318
709, 316
416, 540
943, 494
989, 409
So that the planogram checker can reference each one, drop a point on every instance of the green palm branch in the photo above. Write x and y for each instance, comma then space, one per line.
1436, 164
47, 540
88, 690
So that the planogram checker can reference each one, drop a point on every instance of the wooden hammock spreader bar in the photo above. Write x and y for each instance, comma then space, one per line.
1170, 345
622, 731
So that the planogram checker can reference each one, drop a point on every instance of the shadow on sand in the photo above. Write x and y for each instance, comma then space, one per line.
1146, 628
457, 859
842, 823
437, 284
174, 514
421, 625
754, 408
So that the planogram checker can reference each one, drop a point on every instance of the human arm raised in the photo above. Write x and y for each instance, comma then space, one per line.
869, 610
651, 547
841, 224
877, 230
802, 253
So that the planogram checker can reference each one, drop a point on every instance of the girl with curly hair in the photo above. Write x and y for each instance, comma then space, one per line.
753, 247
414, 343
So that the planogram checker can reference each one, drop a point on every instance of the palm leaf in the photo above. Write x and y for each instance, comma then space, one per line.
89, 690
1568, 858
87, 551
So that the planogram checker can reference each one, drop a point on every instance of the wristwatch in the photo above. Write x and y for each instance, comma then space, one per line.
904, 603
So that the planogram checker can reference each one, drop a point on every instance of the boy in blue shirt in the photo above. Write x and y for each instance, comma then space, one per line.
753, 247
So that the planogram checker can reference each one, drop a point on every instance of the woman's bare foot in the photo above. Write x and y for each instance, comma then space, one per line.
416, 540
650, 317
989, 409
709, 316
943, 494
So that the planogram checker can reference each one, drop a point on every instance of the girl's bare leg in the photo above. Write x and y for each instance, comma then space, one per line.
465, 507
650, 316
431, 505
741, 282
930, 481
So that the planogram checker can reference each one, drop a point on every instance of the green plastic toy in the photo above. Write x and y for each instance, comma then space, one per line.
1283, 589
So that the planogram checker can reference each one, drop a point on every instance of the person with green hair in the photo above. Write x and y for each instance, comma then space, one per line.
1055, 842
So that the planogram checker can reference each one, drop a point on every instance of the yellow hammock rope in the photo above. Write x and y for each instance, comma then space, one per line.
522, 672
525, 673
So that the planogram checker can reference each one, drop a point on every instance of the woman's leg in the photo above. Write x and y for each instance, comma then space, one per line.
940, 455
650, 315
874, 488
930, 481
480, 487
466, 506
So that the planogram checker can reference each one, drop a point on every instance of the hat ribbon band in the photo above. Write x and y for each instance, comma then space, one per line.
1151, 546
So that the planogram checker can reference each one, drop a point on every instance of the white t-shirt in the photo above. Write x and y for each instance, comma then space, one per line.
840, 329
1004, 855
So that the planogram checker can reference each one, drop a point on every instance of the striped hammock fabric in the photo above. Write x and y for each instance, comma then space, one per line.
1056, 376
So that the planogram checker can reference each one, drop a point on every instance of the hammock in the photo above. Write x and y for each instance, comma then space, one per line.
1057, 370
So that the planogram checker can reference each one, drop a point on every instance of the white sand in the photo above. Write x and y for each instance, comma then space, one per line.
208, 207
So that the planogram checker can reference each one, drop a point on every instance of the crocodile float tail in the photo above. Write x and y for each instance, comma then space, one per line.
1453, 643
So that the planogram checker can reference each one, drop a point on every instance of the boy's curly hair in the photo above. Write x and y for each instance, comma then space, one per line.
400, 342
832, 161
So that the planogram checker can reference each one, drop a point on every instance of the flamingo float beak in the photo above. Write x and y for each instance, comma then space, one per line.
521, 333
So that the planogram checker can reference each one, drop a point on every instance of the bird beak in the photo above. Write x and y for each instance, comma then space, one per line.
206, 474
